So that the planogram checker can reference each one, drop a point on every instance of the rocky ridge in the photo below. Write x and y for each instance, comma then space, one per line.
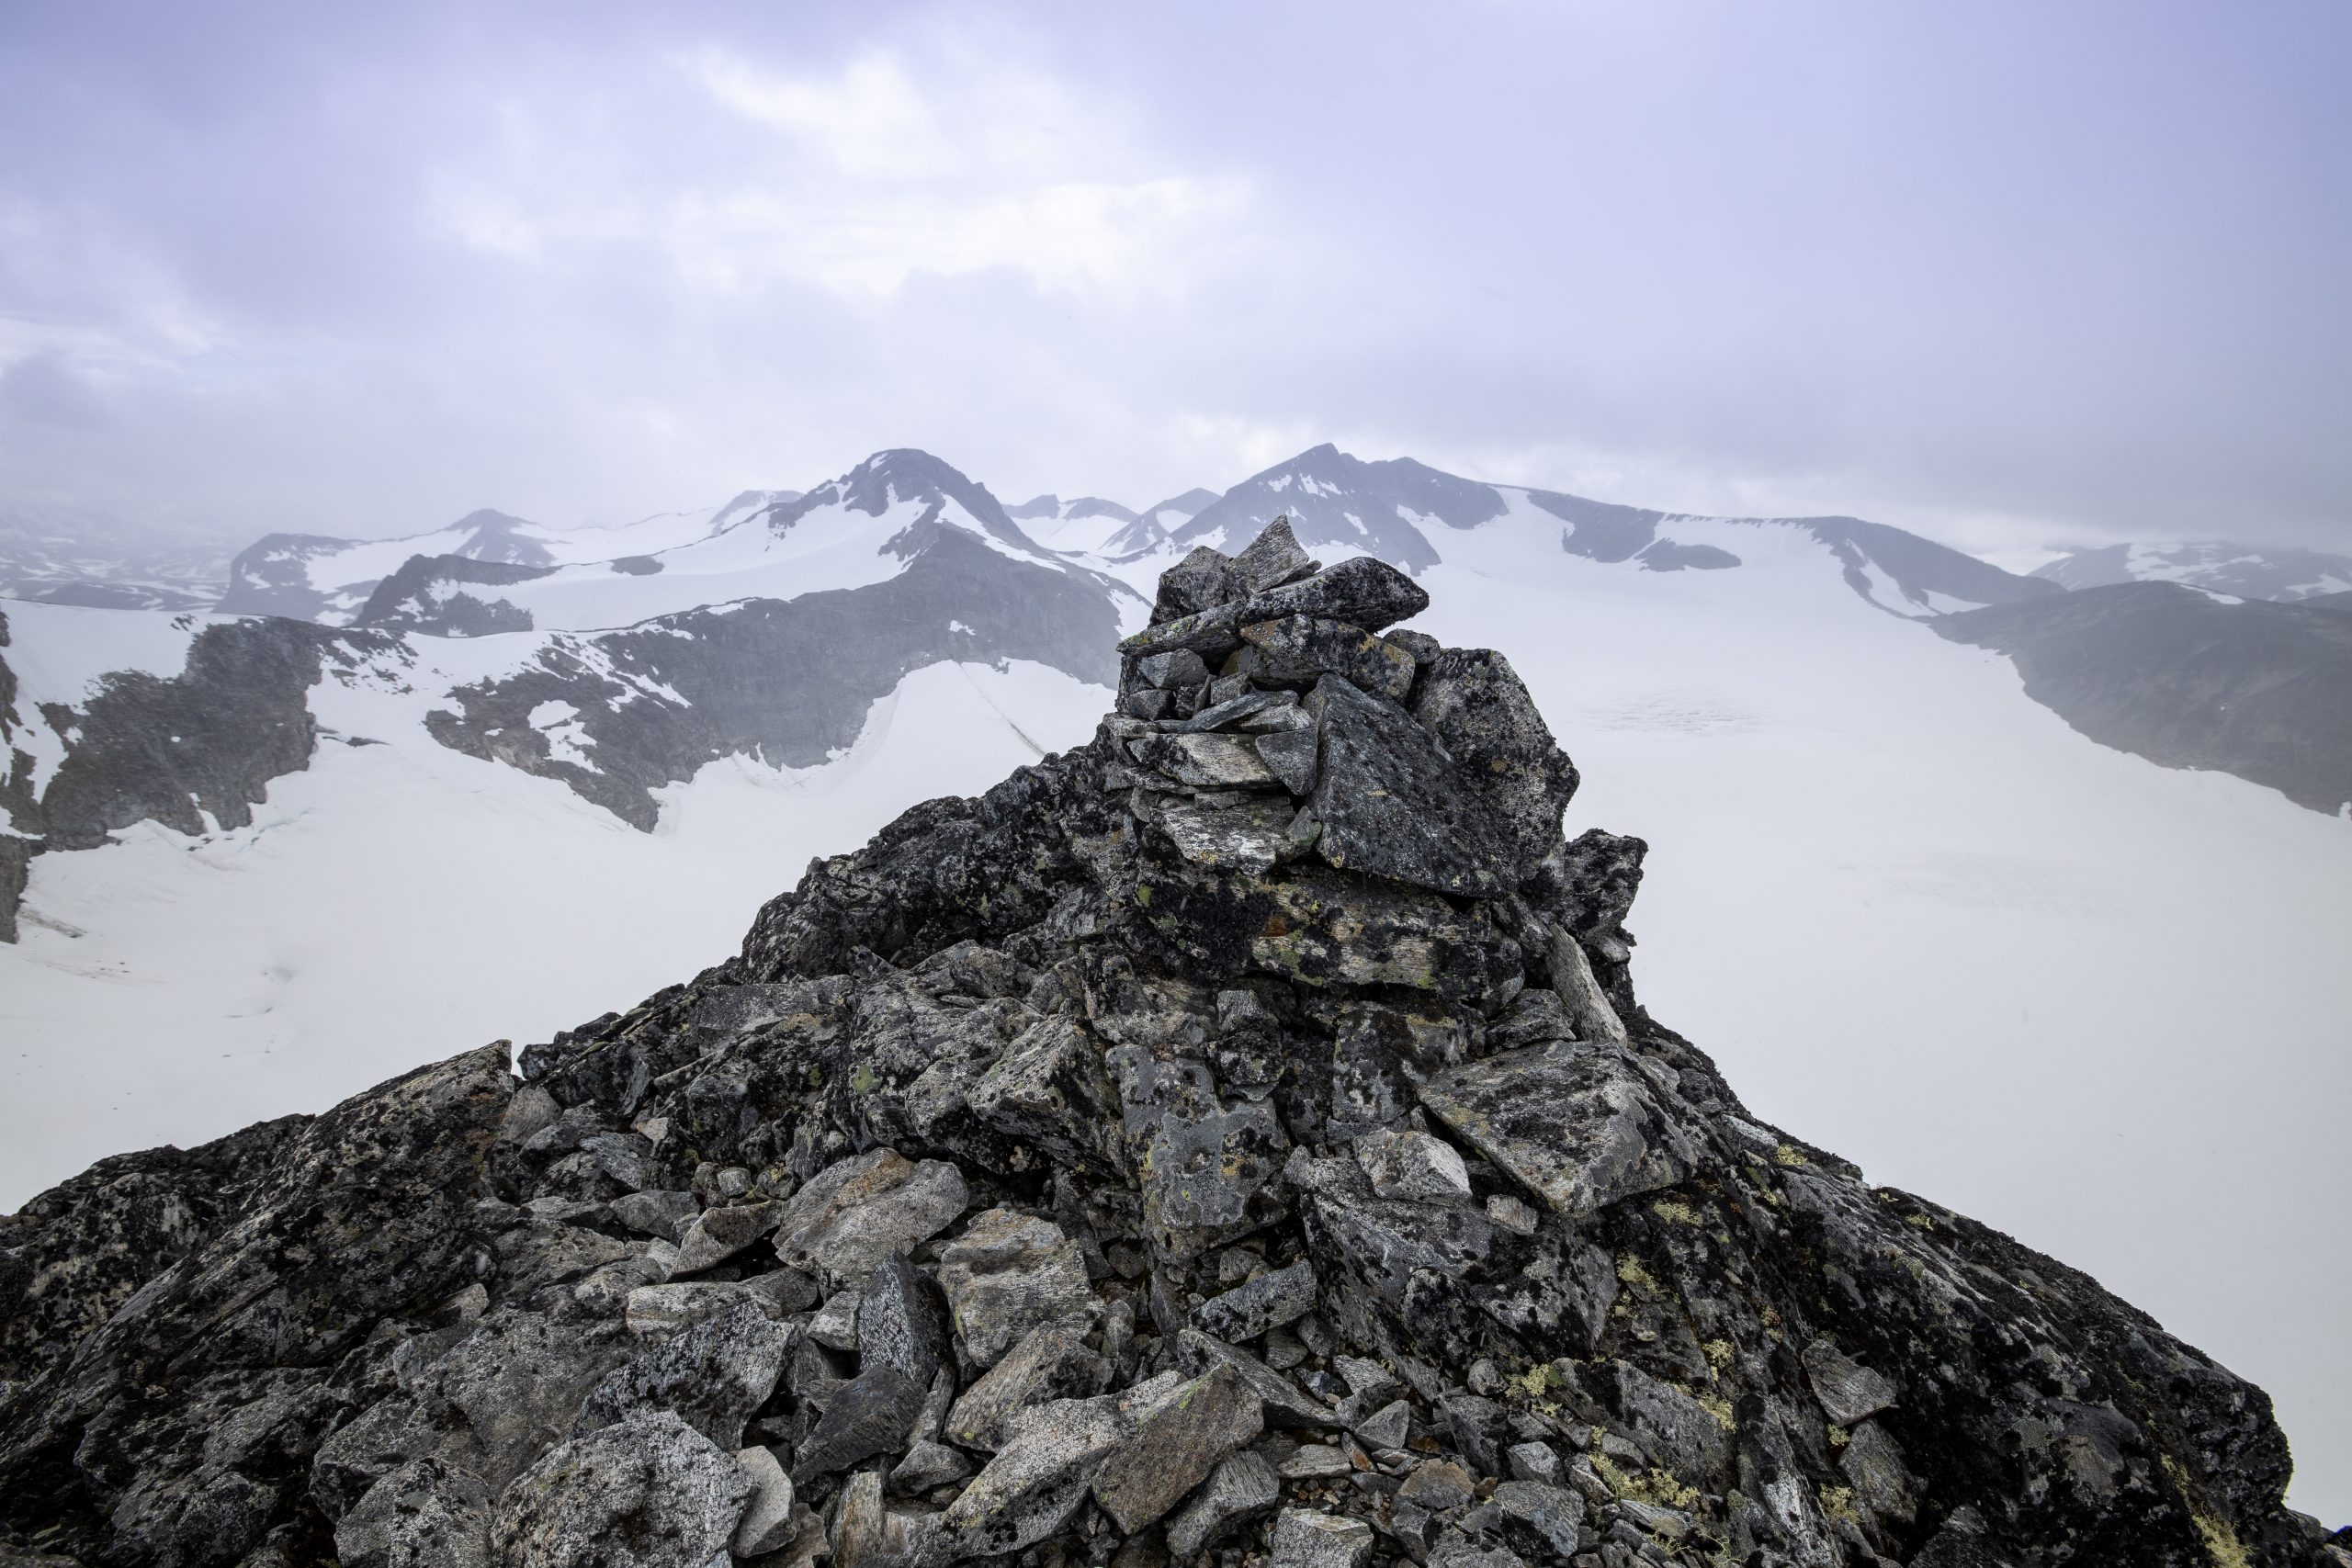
1236, 1140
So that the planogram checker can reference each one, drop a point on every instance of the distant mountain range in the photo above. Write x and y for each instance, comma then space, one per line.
2242, 571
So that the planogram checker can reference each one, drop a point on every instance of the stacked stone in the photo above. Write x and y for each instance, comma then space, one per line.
1233, 1142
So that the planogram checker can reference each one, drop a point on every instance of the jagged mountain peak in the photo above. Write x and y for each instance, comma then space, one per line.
1249, 1099
1334, 498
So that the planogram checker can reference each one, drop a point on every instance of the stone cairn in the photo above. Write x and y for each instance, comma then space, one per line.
1235, 1141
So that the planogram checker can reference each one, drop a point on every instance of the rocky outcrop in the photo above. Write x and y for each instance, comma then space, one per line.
2260, 690
444, 596
1169, 1155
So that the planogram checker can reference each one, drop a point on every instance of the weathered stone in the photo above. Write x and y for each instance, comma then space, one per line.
1270, 559
1284, 1405
1051, 1091
650, 1492
655, 1310
1477, 1425
1317, 1462
714, 1376
1362, 591
1440, 1485
1533, 1461
1298, 651
1276, 1297
834, 1325
1051, 1361
1176, 1445
1325, 929
426, 1514
860, 1211
1849, 1393
1290, 755
1203, 761
718, 1235
1413, 1166
663, 1215
1206, 1159
1245, 709
1210, 633
1542, 1518
1387, 1427
1305, 1540
871, 1413
1179, 670
1032, 1486
1007, 1273
1578, 1125
1514, 1214
1385, 1242
927, 1467
1202, 580
1515, 781
1390, 800
1883, 1486
1241, 1489
859, 1531
769, 1521
901, 1323
1377, 1056
1247, 835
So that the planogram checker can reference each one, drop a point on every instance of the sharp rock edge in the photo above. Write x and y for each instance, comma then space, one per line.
1237, 1139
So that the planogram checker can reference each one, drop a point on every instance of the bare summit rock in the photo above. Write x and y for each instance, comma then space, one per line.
650, 1492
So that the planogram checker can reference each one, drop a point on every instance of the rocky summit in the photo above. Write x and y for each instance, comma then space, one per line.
1235, 1141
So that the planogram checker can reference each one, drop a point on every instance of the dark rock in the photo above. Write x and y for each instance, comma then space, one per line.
872, 1414
1290, 755
1516, 782
1578, 1125
1052, 1361
1848, 1392
1307, 1539
1280, 1296
713, 1376
425, 1512
901, 1323
1299, 650
1272, 558
1390, 798
1364, 591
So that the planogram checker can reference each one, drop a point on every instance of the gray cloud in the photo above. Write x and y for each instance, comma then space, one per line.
2009, 275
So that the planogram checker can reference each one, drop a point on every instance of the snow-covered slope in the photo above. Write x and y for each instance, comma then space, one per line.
2244, 572
314, 577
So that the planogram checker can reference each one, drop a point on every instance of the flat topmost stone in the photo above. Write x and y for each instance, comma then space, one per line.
1364, 592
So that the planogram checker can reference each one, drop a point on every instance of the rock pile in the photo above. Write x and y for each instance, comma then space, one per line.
1234, 1140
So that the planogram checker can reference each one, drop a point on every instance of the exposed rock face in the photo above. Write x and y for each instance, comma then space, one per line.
1050, 1181
2260, 690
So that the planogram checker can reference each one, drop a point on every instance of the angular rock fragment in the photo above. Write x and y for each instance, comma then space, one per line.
1413, 1166
1006, 1274
1050, 1090
1241, 1489
1284, 1405
1363, 590
713, 1376
1290, 755
901, 1323
1308, 1539
1543, 1518
1052, 1361
1032, 1486
1176, 1445
427, 1511
1515, 780
1247, 835
650, 1492
769, 1522
1390, 800
1270, 559
860, 1530
1203, 761
1205, 1158
1323, 928
858, 1212
663, 1215
1179, 670
1578, 1125
1277, 1297
1298, 651
1849, 1393
871, 1413
718, 1235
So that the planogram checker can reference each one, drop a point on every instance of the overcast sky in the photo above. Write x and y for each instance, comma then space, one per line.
2013, 275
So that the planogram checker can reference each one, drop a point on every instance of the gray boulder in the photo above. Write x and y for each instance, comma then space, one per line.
713, 1376
861, 1210
1242, 1488
1516, 782
1298, 651
426, 1514
1052, 1361
1390, 799
1006, 1274
1176, 1445
1304, 1539
650, 1492
1578, 1125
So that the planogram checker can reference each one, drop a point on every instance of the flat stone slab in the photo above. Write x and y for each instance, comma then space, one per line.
1578, 1125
